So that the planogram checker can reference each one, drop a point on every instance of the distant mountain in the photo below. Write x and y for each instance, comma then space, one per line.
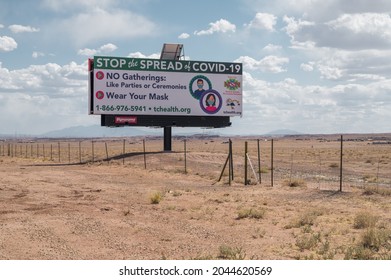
283, 132
95, 131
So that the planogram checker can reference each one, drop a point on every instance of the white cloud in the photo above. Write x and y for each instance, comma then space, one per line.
108, 48
307, 67
272, 64
356, 78
272, 48
7, 44
87, 52
319, 10
293, 26
220, 26
336, 64
98, 24
141, 55
318, 109
37, 54
184, 36
366, 30
16, 28
43, 97
263, 21
1, 26
378, 24
330, 73
103, 49
347, 31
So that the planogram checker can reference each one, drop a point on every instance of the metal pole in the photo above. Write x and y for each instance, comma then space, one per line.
340, 166
245, 163
80, 151
231, 160
123, 152
259, 162
145, 158
92, 147
272, 162
185, 156
69, 152
107, 152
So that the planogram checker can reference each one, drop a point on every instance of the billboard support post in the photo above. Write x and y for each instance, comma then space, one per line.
167, 138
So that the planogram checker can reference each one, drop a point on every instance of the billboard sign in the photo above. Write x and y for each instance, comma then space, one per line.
140, 86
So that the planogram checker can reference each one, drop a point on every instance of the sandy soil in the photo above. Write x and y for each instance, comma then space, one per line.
104, 211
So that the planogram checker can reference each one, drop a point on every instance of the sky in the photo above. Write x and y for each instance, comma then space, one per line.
311, 66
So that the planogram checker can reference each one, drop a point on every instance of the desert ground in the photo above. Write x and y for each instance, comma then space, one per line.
113, 205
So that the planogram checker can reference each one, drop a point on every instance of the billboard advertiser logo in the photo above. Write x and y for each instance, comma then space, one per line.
232, 84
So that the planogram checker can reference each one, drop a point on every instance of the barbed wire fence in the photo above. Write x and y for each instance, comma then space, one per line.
323, 163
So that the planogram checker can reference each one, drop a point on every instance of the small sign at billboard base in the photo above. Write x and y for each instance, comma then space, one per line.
125, 120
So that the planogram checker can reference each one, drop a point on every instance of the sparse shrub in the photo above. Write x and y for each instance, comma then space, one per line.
377, 190
251, 213
334, 165
374, 244
358, 253
176, 193
156, 198
265, 170
374, 239
295, 183
230, 253
369, 179
203, 257
259, 233
306, 219
364, 220
307, 241
325, 251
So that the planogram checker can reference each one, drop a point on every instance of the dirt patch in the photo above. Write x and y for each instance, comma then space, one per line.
104, 211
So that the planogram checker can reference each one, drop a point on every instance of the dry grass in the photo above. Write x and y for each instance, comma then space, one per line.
377, 190
155, 198
251, 213
365, 220
295, 183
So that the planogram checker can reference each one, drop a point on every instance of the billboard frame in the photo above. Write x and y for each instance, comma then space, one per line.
164, 121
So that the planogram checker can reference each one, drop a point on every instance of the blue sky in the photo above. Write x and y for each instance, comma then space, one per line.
313, 66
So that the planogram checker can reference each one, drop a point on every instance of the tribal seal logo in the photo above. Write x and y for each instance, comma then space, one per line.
232, 84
